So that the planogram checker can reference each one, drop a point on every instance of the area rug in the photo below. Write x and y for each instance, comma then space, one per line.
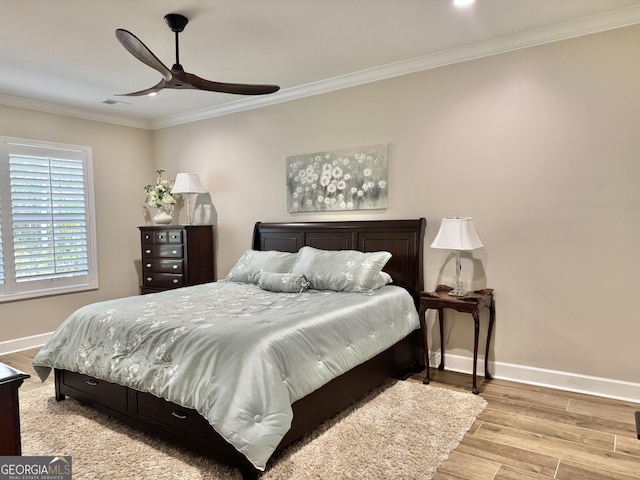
403, 430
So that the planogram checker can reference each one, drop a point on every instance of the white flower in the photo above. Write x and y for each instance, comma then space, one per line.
159, 195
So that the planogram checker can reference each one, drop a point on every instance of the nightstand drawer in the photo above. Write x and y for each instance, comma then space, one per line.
163, 251
162, 266
162, 280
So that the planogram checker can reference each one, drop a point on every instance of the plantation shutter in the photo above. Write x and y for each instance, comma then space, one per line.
48, 217
47, 228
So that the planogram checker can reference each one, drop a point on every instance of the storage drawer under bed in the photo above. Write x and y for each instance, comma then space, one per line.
160, 413
94, 390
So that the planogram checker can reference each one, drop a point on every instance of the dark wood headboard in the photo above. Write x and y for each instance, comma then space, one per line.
404, 239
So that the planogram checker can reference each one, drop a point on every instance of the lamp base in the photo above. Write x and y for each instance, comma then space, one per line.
458, 287
458, 290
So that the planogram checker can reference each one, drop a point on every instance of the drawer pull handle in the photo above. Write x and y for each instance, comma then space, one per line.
148, 265
93, 383
149, 279
147, 251
175, 280
180, 415
174, 252
175, 267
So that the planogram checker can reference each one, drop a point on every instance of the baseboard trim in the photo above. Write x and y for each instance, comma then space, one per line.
572, 382
25, 343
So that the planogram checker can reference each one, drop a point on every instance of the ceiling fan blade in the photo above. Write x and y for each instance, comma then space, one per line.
177, 77
148, 91
236, 88
139, 50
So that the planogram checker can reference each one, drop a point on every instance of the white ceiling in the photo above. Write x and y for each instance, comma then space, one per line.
62, 56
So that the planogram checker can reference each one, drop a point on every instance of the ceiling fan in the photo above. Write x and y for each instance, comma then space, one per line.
176, 77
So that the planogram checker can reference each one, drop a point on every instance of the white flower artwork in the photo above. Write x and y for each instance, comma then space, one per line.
346, 179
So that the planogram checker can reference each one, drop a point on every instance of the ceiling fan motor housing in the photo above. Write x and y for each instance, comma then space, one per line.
176, 21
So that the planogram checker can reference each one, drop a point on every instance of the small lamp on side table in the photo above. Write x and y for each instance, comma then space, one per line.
186, 184
457, 233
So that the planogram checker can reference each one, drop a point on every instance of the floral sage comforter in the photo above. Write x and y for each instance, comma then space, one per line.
237, 354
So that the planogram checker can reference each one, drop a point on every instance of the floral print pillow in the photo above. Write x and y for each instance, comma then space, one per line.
254, 262
340, 270
283, 282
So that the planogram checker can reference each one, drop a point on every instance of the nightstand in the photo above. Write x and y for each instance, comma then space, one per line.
10, 381
471, 303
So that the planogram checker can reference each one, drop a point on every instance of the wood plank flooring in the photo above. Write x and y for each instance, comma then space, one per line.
525, 433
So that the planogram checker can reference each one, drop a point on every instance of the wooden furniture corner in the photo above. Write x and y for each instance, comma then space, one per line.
10, 381
472, 303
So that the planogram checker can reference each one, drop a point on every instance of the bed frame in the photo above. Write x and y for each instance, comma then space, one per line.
403, 238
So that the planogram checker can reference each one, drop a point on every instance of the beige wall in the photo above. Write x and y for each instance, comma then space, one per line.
122, 165
539, 145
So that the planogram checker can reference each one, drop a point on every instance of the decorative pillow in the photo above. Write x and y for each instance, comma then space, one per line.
254, 262
383, 279
340, 270
283, 282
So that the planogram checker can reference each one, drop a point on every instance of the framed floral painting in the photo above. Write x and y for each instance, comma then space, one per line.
346, 179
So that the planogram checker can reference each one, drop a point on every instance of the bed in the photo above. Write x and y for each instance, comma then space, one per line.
150, 411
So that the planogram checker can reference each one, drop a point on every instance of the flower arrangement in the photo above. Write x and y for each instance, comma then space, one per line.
159, 195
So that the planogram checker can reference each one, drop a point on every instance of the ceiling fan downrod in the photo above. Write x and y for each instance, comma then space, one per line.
176, 23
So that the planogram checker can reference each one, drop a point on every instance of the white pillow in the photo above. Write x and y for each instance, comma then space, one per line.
383, 279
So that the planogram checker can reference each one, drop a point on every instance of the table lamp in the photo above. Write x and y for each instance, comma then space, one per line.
187, 184
457, 233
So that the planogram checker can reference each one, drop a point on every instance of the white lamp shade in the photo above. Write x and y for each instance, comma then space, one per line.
457, 233
187, 183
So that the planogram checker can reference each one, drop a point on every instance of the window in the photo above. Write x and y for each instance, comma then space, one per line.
47, 227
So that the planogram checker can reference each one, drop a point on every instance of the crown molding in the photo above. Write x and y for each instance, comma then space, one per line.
71, 111
553, 33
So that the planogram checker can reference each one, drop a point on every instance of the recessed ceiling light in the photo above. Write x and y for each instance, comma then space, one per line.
463, 3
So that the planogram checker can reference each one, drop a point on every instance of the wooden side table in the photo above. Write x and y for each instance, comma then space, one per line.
10, 381
471, 303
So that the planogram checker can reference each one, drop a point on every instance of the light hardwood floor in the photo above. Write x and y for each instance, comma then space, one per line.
525, 433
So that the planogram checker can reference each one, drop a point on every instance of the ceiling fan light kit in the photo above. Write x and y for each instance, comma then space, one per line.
176, 77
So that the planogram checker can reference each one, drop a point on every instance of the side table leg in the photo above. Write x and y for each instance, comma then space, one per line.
476, 320
441, 321
492, 317
423, 329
